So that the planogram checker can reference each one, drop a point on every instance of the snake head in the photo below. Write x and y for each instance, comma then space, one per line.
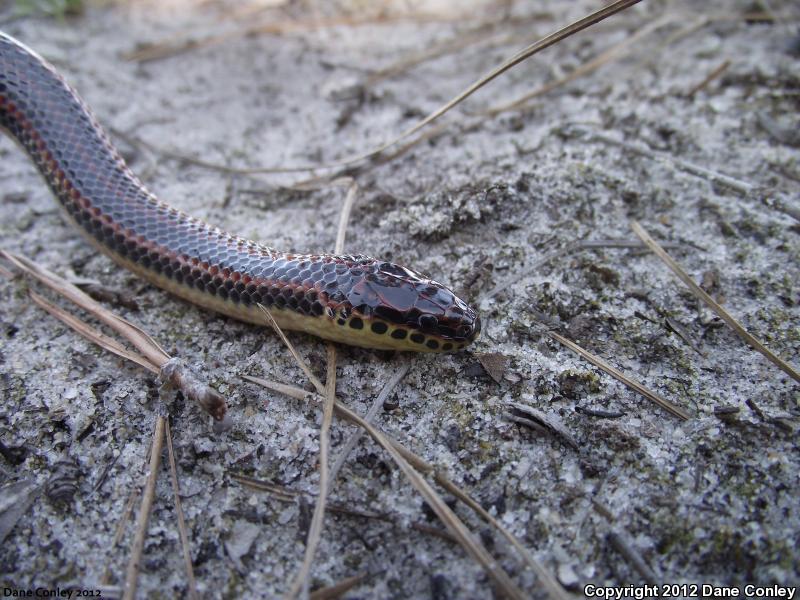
401, 309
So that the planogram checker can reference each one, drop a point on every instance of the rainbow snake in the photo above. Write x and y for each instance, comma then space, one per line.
352, 299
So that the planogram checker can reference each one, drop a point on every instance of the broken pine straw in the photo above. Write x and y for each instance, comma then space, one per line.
336, 590
453, 524
712, 304
548, 582
620, 376
521, 56
170, 370
143, 518
187, 555
302, 579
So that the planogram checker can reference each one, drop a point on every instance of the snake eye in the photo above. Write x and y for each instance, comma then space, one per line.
463, 331
428, 322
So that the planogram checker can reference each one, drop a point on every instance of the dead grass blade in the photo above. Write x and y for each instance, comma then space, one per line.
301, 581
143, 518
344, 216
634, 557
464, 39
620, 376
521, 56
298, 359
176, 492
714, 74
276, 491
701, 294
736, 185
105, 579
283, 494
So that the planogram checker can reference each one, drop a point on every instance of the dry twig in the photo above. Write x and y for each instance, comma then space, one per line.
701, 294
370, 416
187, 556
620, 376
716, 72
143, 518
336, 590
737, 185
287, 495
151, 355
315, 531
613, 53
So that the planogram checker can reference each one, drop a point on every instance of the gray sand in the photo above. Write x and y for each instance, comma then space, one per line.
709, 500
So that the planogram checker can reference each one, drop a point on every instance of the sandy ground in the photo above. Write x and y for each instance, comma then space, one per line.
709, 500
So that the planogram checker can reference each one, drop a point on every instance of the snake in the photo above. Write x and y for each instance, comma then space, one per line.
352, 299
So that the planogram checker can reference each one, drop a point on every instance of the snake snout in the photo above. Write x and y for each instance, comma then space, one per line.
470, 328
476, 329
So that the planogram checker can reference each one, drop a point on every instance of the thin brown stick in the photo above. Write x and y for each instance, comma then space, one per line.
737, 185
336, 590
709, 78
151, 355
615, 52
507, 283
315, 531
287, 495
446, 515
700, 293
464, 39
187, 556
143, 518
140, 339
634, 557
598, 362
165, 49
370, 416
344, 216
521, 56
300, 362
105, 579
302, 579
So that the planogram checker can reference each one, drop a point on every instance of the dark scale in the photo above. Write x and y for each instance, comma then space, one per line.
105, 198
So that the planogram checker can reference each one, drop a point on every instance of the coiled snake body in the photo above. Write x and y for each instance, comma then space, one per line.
352, 299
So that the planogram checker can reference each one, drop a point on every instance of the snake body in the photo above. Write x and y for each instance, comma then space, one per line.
352, 299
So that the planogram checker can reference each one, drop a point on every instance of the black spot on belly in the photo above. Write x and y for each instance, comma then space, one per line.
417, 338
379, 327
356, 323
399, 334
432, 344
